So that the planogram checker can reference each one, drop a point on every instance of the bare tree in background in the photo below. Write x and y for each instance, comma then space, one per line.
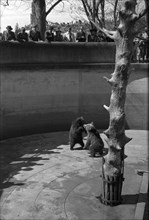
116, 6
4, 2
147, 14
116, 139
40, 10
39, 13
105, 11
100, 10
91, 8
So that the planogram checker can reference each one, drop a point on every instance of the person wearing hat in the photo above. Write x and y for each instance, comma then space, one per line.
34, 34
22, 36
9, 35
92, 37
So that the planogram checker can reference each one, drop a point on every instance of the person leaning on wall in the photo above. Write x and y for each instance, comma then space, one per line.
81, 35
69, 36
58, 36
34, 34
145, 36
49, 35
8, 34
22, 36
92, 37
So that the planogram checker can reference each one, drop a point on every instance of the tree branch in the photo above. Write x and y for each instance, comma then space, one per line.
53, 6
142, 13
87, 11
102, 3
110, 34
88, 7
115, 8
5, 4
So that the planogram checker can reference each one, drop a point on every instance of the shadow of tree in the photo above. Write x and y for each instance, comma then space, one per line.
23, 153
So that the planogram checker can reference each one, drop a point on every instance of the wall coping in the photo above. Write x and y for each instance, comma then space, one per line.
138, 66
56, 52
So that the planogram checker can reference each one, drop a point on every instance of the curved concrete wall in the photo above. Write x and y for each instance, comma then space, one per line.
54, 53
43, 97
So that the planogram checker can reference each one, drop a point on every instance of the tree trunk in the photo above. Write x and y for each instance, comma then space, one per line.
115, 13
94, 9
116, 139
39, 16
103, 13
147, 15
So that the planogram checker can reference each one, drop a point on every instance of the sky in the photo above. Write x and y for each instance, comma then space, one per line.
19, 12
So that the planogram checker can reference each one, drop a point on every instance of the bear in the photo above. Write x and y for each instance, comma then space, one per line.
76, 132
94, 143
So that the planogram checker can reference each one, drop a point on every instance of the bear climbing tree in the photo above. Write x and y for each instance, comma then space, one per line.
115, 134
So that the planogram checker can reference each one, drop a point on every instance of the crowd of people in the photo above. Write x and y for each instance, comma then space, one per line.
141, 47
53, 35
140, 42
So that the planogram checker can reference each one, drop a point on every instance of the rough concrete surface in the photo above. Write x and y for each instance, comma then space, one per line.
42, 179
39, 99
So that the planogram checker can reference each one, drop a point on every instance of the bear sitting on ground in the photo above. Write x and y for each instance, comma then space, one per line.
94, 142
76, 132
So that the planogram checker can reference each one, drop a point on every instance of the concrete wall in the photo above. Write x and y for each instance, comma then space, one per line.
54, 53
39, 98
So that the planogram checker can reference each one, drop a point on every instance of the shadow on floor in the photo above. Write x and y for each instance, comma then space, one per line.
24, 153
133, 199
130, 199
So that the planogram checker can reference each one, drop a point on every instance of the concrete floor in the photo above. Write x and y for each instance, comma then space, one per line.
42, 179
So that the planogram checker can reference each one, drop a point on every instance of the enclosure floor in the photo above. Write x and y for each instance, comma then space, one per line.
42, 179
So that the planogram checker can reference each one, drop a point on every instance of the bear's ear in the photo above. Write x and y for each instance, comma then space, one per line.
92, 123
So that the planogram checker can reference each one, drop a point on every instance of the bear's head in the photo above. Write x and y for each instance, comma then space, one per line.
89, 127
80, 121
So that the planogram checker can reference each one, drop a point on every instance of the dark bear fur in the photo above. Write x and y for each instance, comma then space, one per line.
76, 132
94, 142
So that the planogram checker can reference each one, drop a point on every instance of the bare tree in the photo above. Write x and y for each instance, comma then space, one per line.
4, 2
39, 13
115, 134
40, 10
91, 8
